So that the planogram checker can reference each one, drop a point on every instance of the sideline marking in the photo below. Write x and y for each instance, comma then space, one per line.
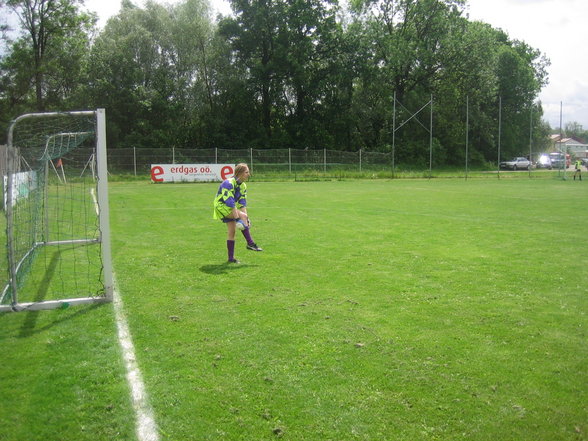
146, 429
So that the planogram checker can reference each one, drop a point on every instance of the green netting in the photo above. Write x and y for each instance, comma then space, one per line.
52, 235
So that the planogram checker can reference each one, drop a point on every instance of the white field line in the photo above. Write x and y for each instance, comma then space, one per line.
146, 429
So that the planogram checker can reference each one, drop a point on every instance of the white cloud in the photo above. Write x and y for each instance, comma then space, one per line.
557, 29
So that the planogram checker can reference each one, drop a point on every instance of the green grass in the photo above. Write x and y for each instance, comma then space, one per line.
379, 310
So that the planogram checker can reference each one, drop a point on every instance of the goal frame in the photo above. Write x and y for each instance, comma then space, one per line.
103, 223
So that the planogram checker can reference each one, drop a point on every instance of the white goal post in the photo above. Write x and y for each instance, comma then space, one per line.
56, 212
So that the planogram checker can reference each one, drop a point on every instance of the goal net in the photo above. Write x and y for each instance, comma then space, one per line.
56, 212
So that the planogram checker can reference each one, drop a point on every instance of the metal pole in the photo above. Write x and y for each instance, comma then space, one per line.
10, 246
431, 141
499, 131
251, 159
135, 159
393, 134
565, 165
325, 160
46, 202
290, 160
360, 160
467, 134
530, 139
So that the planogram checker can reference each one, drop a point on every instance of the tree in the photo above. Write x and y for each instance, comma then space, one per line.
521, 73
575, 130
254, 34
154, 67
406, 46
49, 54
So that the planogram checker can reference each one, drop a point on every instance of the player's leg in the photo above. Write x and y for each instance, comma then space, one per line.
244, 226
251, 245
231, 240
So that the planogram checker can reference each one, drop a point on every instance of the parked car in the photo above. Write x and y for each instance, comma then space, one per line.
516, 164
544, 162
584, 161
558, 160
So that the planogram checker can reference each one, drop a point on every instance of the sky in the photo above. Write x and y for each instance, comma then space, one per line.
557, 28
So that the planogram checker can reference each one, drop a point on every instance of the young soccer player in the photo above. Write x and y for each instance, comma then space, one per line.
578, 171
230, 206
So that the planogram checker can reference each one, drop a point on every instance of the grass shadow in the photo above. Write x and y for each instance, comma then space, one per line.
224, 268
41, 294
29, 327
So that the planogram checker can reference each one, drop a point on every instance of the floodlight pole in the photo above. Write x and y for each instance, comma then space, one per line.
393, 134
530, 139
431, 141
565, 163
467, 135
499, 131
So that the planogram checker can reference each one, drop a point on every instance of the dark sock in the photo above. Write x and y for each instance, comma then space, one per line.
231, 249
247, 236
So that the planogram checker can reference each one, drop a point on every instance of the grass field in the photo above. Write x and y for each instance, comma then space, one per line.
379, 310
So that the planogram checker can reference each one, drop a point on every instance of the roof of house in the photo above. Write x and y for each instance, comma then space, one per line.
567, 141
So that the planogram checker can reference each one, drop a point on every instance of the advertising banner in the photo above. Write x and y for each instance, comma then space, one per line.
191, 172
22, 184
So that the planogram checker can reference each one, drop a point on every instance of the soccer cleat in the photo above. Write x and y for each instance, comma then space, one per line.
253, 247
234, 261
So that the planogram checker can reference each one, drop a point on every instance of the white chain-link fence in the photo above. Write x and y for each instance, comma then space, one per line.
285, 161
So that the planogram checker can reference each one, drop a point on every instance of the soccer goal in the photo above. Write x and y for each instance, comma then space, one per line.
56, 213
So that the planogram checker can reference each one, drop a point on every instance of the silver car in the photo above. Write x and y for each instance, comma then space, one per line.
516, 164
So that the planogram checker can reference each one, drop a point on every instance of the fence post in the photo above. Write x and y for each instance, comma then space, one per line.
290, 160
216, 155
135, 160
251, 159
325, 160
360, 160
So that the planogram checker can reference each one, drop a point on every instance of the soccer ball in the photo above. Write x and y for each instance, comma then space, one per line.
240, 225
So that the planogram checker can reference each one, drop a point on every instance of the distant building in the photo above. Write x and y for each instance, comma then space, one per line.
569, 145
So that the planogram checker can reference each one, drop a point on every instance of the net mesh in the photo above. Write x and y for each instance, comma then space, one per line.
52, 226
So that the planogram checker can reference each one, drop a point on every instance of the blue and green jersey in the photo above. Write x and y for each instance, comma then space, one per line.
231, 194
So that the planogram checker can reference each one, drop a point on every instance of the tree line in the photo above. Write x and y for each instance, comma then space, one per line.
280, 74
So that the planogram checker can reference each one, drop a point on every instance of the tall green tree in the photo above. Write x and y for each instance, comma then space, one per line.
313, 48
521, 73
418, 49
287, 49
48, 55
576, 130
406, 45
255, 36
151, 66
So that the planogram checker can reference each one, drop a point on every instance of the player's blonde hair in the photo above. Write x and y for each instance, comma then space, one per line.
240, 168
